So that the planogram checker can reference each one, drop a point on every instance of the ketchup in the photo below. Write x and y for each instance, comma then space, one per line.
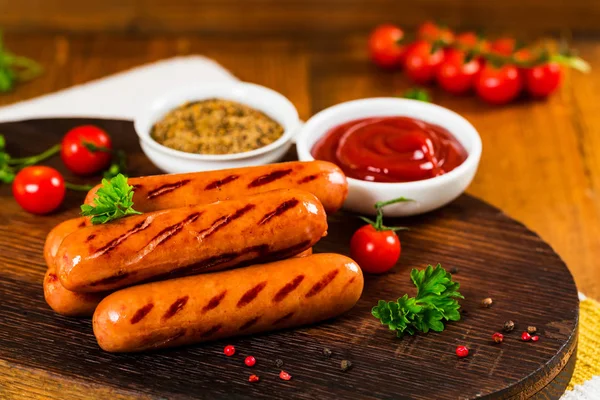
390, 149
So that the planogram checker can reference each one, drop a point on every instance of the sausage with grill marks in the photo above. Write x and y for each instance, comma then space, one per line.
190, 240
243, 301
323, 179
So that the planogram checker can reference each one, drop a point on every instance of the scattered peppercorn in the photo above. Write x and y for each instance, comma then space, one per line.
454, 270
345, 365
535, 338
253, 378
285, 376
487, 302
509, 326
279, 363
498, 337
229, 350
462, 351
250, 361
326, 352
531, 330
526, 337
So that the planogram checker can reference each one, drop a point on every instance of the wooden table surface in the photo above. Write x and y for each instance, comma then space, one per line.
541, 159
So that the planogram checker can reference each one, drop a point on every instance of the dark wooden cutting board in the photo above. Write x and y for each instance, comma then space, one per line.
496, 257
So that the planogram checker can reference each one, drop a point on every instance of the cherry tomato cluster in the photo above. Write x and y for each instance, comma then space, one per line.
39, 189
498, 71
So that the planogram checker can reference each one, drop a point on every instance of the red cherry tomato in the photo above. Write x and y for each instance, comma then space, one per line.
504, 46
454, 75
421, 65
39, 189
498, 85
470, 40
375, 251
77, 157
385, 48
543, 80
431, 31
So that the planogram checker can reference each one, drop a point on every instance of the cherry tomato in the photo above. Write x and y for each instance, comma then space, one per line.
77, 157
375, 251
504, 46
498, 85
470, 40
39, 189
454, 75
421, 65
543, 80
431, 31
385, 48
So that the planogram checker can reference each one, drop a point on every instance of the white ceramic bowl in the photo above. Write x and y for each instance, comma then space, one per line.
259, 97
427, 194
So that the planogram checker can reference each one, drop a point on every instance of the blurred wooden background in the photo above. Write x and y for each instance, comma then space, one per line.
293, 17
541, 159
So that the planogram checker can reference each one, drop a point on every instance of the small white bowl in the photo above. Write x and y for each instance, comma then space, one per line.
274, 104
427, 194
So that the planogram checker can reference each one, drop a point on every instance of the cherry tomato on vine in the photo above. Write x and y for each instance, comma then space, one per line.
376, 247
504, 46
421, 64
454, 75
385, 46
543, 80
431, 31
39, 189
498, 85
78, 158
472, 41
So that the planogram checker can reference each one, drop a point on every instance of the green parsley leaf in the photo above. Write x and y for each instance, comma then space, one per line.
417, 94
113, 200
435, 303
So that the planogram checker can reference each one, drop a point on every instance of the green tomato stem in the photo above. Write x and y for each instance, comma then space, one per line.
379, 207
25, 161
78, 188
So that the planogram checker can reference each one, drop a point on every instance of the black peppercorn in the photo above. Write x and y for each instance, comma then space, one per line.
326, 352
531, 330
345, 365
279, 363
509, 326
454, 270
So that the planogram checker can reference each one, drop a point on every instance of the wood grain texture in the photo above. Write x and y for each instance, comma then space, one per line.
291, 17
496, 256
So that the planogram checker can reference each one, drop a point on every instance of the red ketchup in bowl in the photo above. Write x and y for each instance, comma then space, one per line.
390, 149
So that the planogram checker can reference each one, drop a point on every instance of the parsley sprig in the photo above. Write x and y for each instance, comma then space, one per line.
113, 200
436, 302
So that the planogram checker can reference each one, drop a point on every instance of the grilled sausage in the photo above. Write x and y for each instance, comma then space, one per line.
57, 235
159, 192
243, 301
65, 302
73, 304
189, 240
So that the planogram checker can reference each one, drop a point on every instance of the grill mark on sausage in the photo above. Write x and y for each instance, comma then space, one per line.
141, 313
213, 261
149, 342
110, 246
81, 224
165, 235
136, 186
251, 294
284, 318
283, 207
325, 280
90, 237
250, 323
308, 178
288, 288
176, 307
169, 187
111, 279
288, 251
350, 281
52, 278
214, 302
270, 177
223, 221
211, 331
221, 182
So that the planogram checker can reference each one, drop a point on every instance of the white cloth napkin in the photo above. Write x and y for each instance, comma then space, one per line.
118, 96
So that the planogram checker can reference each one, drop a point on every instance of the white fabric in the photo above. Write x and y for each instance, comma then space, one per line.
589, 390
119, 95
